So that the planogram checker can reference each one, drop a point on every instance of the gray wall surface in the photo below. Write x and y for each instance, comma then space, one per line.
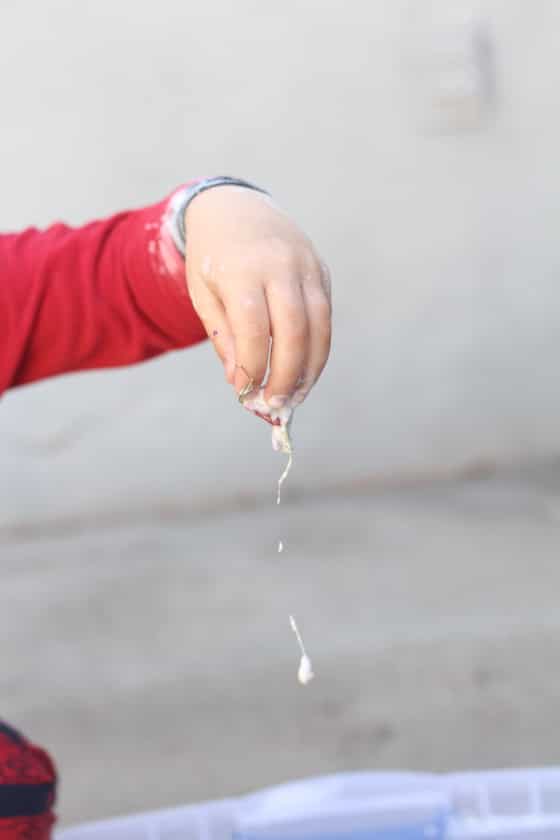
423, 167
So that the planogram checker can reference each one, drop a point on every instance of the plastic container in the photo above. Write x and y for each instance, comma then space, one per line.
499, 805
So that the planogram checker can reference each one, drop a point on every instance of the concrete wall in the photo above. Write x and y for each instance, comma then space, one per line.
418, 149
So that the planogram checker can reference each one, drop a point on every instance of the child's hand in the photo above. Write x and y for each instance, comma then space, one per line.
253, 275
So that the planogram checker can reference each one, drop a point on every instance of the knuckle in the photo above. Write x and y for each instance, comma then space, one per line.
296, 328
277, 255
249, 314
320, 318
320, 305
253, 334
253, 328
248, 301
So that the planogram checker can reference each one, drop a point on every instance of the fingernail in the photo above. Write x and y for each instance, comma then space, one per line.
256, 405
277, 402
299, 397
230, 370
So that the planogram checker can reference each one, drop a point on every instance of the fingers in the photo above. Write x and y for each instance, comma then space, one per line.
211, 312
248, 318
296, 311
316, 295
287, 301
290, 336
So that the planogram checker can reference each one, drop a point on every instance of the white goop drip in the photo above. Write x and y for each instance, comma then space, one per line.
305, 670
281, 442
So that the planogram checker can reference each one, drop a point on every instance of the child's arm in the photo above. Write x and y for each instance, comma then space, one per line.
107, 294
117, 291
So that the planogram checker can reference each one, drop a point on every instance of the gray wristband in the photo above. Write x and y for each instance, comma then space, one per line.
184, 198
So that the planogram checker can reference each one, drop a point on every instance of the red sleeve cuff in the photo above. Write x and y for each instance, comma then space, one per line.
108, 294
155, 271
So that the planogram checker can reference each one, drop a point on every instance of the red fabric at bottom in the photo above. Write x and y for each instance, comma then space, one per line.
27, 828
27, 781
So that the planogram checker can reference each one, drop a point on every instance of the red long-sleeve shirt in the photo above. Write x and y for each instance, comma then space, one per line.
110, 293
107, 294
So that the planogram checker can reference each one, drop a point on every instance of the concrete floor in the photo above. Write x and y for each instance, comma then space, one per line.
157, 663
